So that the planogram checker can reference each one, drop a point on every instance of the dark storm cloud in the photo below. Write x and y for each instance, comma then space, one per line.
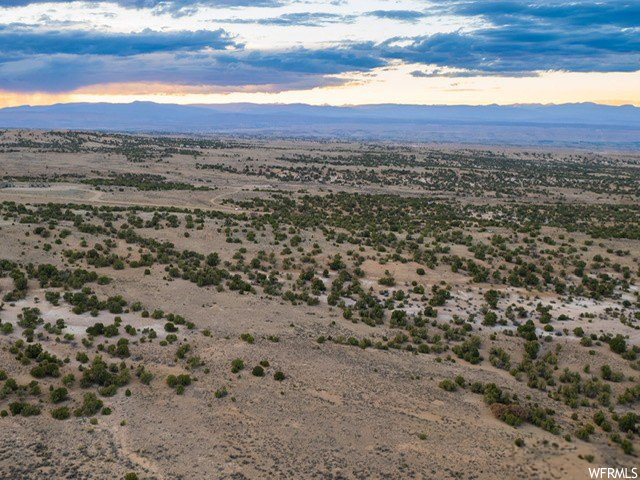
299, 68
17, 40
507, 38
311, 19
524, 50
468, 73
168, 5
401, 15
619, 13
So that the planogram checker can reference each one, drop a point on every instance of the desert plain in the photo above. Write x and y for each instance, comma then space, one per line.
200, 307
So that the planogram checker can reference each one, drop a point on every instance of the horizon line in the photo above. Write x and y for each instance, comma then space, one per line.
344, 105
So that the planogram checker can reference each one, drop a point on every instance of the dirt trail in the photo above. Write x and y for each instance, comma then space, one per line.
145, 463
97, 198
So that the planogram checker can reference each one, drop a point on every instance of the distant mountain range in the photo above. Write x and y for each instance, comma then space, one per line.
583, 125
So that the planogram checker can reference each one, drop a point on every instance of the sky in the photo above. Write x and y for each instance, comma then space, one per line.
338, 52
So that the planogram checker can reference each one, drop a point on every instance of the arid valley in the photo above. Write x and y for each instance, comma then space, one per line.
196, 307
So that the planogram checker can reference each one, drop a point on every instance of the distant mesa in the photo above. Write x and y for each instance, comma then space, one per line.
584, 124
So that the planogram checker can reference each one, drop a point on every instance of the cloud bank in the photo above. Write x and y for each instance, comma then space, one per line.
500, 38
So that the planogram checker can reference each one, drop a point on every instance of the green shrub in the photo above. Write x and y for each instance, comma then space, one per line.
58, 395
584, 432
61, 413
23, 408
448, 385
91, 405
179, 382
237, 365
221, 392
